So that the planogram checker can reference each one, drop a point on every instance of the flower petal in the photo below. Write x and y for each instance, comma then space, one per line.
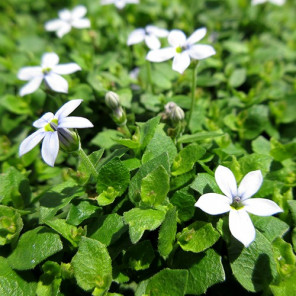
81, 23
30, 142
66, 28
250, 184
75, 122
241, 226
278, 2
213, 204
152, 42
65, 14
106, 2
261, 207
27, 73
79, 12
160, 55
31, 86
50, 148
181, 62
158, 32
66, 68
177, 38
57, 82
201, 51
54, 25
49, 60
226, 181
136, 36
67, 108
196, 36
44, 120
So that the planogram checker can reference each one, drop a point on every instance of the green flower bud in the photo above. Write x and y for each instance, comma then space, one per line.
177, 114
69, 140
112, 100
119, 116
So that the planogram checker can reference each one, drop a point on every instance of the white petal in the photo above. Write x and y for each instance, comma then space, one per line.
132, 1
181, 62
75, 122
160, 55
54, 25
226, 181
158, 32
30, 142
213, 204
152, 42
49, 60
136, 36
196, 36
120, 4
106, 2
201, 51
261, 207
65, 14
50, 148
66, 68
44, 120
31, 86
278, 2
27, 73
67, 108
250, 184
79, 12
57, 82
177, 38
81, 23
241, 226
66, 28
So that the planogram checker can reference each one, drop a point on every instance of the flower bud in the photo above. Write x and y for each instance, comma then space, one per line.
169, 107
69, 140
177, 114
119, 116
112, 100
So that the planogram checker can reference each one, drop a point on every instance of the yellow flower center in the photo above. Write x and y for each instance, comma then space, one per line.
50, 127
179, 49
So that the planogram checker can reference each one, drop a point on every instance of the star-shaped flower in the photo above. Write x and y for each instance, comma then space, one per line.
150, 34
68, 19
49, 71
276, 2
119, 3
237, 202
53, 129
182, 49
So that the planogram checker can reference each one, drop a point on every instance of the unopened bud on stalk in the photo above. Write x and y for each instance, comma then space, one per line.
177, 114
169, 107
119, 116
112, 100
69, 140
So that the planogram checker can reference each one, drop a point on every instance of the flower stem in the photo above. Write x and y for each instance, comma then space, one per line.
149, 84
86, 161
194, 74
125, 130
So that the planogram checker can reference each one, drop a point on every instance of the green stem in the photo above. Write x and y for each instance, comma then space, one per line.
88, 164
149, 84
194, 74
125, 130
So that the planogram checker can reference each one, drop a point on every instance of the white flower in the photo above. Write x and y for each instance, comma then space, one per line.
53, 129
49, 71
119, 3
276, 2
68, 19
238, 203
150, 34
182, 49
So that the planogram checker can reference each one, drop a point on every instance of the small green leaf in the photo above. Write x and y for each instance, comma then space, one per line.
198, 237
199, 137
238, 77
205, 183
140, 220
33, 247
147, 130
92, 266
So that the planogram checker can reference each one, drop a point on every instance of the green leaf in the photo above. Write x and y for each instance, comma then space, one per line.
107, 229
125, 96
238, 77
11, 225
186, 158
199, 137
139, 256
281, 152
205, 183
204, 270
167, 233
92, 266
105, 139
292, 208
57, 198
140, 220
167, 282
33, 247
16, 104
147, 130
254, 267
261, 145
255, 162
112, 181
198, 237
153, 192
145, 169
11, 283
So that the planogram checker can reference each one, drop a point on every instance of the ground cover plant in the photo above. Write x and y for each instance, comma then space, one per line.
147, 147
